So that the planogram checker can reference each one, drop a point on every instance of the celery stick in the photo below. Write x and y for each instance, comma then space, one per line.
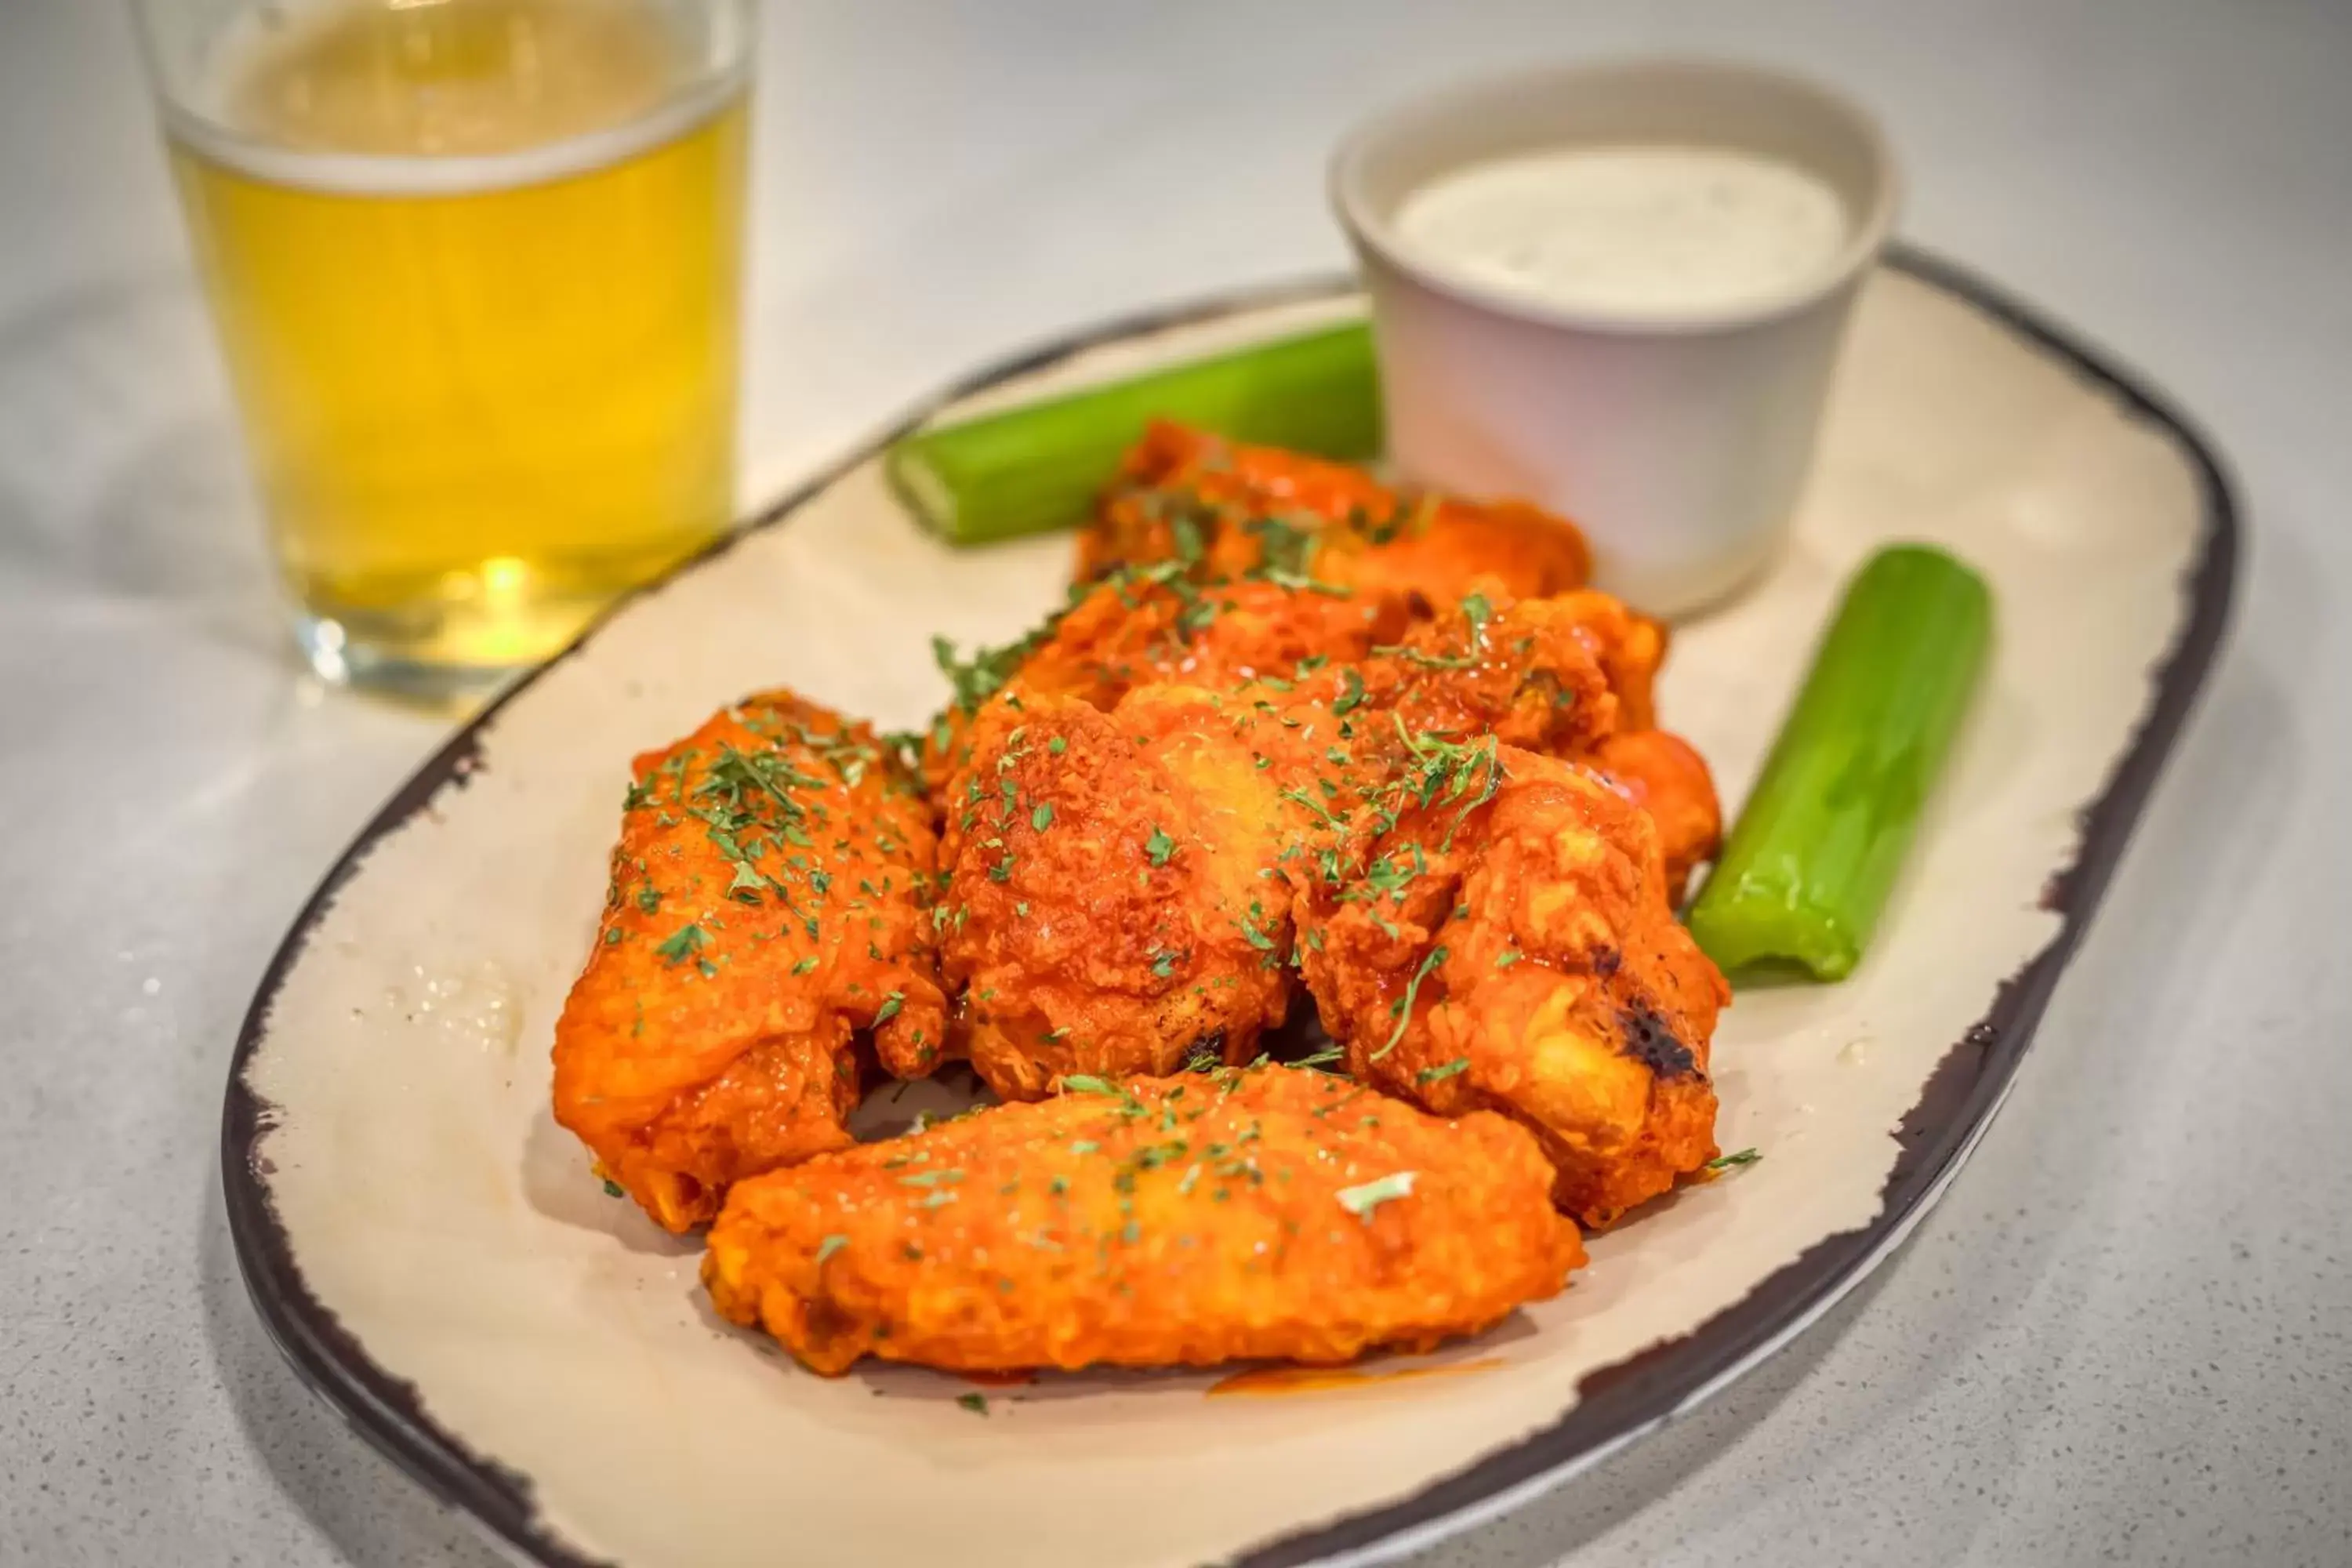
1040, 467
1817, 845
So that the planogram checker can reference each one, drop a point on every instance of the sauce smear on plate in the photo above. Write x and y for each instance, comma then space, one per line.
1307, 1379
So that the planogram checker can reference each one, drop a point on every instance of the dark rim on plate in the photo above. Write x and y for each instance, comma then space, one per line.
1617, 1404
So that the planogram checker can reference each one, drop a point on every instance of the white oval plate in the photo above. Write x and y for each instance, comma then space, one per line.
432, 1254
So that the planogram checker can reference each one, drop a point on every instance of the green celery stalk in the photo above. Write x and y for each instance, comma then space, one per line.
1817, 847
1040, 467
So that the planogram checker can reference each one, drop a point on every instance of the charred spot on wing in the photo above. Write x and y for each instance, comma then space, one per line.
1207, 1052
1645, 1036
1606, 963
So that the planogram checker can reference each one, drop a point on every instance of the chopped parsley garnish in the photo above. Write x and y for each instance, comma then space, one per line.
1438, 1074
1402, 1006
829, 1246
614, 1189
975, 1402
1250, 933
889, 1008
1323, 814
684, 943
805, 964
1446, 770
1360, 1200
1284, 550
1159, 848
1732, 1162
976, 679
1479, 612
1043, 817
1426, 660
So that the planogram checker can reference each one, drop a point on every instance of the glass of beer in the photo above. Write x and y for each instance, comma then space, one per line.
476, 267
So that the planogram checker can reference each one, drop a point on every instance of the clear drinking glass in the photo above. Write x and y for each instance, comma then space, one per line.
476, 267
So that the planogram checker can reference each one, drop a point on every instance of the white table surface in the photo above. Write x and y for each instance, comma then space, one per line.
2127, 1335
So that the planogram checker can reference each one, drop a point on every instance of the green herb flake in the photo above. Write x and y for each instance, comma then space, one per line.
889, 1008
684, 943
1159, 848
1438, 1074
1360, 1200
1733, 1162
614, 1189
1402, 1005
975, 1402
1043, 817
1250, 933
828, 1246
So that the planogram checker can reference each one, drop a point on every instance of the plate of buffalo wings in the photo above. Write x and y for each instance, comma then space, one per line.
1184, 1041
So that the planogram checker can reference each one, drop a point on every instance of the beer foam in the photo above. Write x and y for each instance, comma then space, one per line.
437, 175
254, 112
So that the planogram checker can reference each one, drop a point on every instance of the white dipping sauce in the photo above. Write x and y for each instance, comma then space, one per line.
1642, 230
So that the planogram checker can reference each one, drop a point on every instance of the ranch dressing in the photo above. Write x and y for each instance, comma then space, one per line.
1639, 230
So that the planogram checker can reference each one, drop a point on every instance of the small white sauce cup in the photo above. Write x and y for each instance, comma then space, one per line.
1679, 441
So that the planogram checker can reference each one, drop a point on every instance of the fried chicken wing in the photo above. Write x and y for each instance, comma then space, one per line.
768, 898
1664, 776
1160, 628
1277, 1213
1542, 674
1104, 912
1238, 510
1496, 934
1118, 887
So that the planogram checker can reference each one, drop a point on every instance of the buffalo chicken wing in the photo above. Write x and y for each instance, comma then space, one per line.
768, 898
1277, 1213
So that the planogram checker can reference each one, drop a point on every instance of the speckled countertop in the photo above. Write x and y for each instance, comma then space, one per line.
2126, 1334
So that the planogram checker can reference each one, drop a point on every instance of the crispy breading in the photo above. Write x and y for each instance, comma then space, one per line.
1103, 911
1496, 933
1118, 884
769, 899
1160, 628
1274, 1213
1664, 776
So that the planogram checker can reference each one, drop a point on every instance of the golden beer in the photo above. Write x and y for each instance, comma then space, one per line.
476, 267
